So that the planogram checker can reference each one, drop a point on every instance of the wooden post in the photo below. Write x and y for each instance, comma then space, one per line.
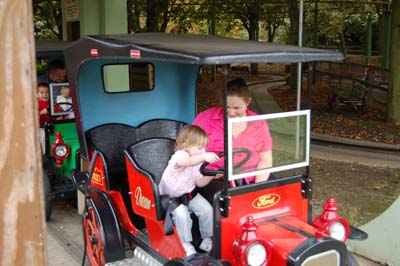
22, 229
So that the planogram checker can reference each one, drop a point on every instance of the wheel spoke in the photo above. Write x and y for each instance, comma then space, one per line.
94, 244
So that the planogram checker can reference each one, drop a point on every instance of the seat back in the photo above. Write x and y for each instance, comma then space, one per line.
111, 140
152, 155
159, 128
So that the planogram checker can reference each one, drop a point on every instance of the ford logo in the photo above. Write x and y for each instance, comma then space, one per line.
266, 201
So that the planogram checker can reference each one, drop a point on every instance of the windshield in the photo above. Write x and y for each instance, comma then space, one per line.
262, 144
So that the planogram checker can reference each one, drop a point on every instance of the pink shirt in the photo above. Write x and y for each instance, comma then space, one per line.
178, 181
256, 137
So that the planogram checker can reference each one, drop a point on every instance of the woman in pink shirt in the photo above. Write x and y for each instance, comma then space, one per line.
253, 136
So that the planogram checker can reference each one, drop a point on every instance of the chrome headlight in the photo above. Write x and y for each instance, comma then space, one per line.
337, 231
256, 254
60, 150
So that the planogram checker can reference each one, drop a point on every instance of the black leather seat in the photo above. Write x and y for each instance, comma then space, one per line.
111, 140
150, 157
165, 128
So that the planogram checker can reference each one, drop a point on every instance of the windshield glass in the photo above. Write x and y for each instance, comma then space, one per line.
262, 144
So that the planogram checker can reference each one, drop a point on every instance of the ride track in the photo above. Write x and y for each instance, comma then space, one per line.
324, 146
363, 152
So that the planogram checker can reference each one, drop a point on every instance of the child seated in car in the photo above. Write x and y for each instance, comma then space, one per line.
181, 177
44, 113
65, 101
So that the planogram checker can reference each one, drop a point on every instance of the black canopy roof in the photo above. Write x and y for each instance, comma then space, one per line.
46, 48
196, 49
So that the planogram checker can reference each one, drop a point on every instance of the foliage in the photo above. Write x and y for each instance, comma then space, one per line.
340, 24
168, 16
47, 19
154, 14
40, 68
274, 19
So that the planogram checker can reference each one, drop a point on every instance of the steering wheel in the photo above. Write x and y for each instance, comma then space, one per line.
70, 106
213, 172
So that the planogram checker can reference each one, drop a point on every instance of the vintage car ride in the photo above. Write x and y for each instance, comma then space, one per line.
60, 136
133, 94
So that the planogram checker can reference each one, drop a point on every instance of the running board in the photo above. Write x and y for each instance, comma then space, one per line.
139, 257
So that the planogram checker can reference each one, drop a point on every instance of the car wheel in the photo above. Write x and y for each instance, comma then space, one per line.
351, 260
103, 241
48, 200
177, 262
93, 237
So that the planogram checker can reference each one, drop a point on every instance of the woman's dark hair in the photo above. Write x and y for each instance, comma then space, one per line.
56, 64
238, 87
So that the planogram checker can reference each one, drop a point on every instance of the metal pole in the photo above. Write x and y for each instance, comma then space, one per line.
211, 31
315, 37
225, 198
299, 79
300, 45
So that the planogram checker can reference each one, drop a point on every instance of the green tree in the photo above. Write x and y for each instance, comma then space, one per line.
394, 85
273, 18
168, 16
190, 17
156, 12
48, 19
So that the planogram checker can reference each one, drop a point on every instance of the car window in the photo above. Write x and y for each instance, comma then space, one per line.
135, 77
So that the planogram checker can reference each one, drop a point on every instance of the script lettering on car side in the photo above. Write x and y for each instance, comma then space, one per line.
141, 200
266, 201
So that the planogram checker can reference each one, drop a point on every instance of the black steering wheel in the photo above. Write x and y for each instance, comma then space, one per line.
213, 172
70, 106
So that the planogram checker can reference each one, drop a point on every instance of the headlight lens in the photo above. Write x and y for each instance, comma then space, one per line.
60, 150
256, 255
337, 231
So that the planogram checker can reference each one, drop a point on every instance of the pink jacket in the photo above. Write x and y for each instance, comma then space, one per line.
255, 137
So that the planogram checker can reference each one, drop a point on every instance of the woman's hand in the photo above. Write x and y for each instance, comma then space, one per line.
265, 162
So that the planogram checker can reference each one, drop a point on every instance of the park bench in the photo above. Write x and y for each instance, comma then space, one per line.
356, 98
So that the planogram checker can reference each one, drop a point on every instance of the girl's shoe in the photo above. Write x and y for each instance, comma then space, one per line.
206, 244
189, 249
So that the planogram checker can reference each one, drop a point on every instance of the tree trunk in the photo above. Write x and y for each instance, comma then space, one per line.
151, 20
22, 229
394, 85
253, 35
380, 29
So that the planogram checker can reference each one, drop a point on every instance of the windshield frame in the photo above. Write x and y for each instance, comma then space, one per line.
231, 121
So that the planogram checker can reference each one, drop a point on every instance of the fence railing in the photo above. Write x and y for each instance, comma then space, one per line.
353, 74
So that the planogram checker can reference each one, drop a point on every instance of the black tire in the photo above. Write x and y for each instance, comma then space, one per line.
48, 199
103, 240
177, 262
351, 260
